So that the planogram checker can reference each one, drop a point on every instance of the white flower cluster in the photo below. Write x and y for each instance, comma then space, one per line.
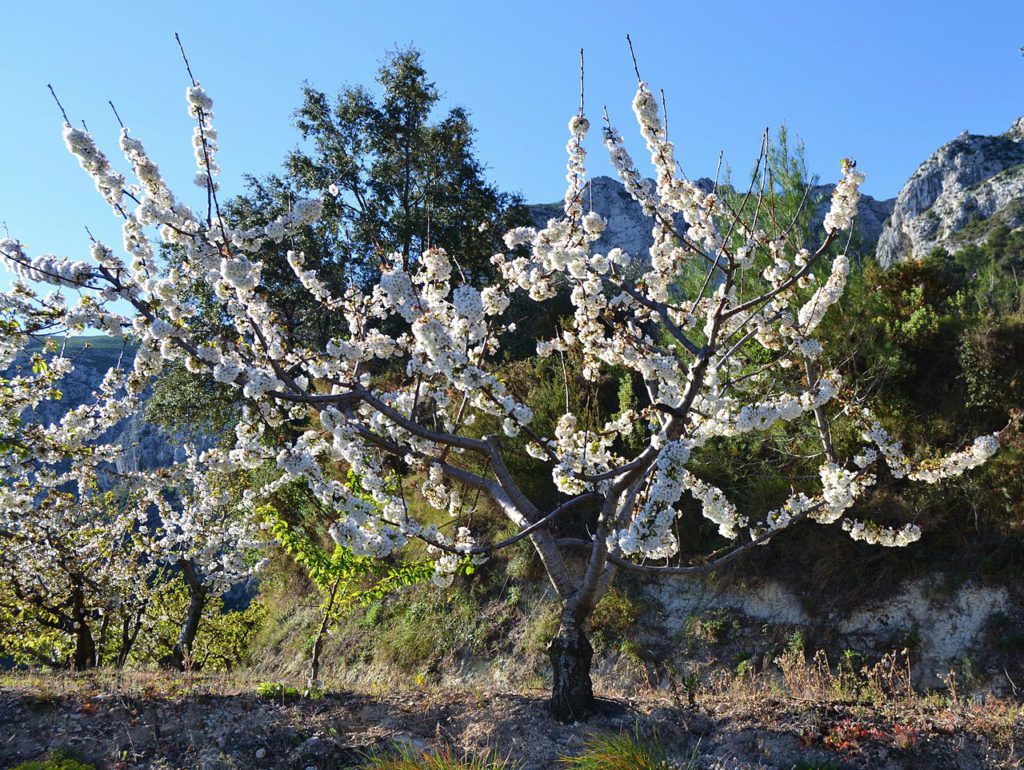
929, 471
869, 532
204, 135
715, 506
45, 268
845, 196
813, 311
957, 463
840, 489
650, 532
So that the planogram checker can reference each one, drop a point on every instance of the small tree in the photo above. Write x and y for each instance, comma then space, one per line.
204, 537
73, 578
416, 370
339, 576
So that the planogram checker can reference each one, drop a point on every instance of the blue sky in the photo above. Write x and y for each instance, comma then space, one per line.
884, 82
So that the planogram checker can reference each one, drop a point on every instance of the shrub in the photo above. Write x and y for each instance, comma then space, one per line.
57, 760
276, 691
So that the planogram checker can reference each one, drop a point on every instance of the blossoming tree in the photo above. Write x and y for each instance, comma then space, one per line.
70, 560
735, 356
79, 564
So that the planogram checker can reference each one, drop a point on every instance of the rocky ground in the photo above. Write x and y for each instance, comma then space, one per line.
157, 722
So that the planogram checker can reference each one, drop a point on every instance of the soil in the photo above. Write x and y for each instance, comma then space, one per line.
166, 723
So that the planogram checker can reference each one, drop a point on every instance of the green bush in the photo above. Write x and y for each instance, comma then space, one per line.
57, 760
277, 691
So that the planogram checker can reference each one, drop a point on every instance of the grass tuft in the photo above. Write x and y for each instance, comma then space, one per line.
620, 751
57, 760
442, 758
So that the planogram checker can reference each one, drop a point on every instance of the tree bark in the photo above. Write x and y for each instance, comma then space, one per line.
318, 643
85, 649
572, 692
197, 595
129, 635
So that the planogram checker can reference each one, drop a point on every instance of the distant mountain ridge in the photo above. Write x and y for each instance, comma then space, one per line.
630, 230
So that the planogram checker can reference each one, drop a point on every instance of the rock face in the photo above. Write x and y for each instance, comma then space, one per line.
143, 445
972, 179
946, 626
629, 230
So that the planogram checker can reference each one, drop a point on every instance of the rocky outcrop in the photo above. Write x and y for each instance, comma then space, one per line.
143, 445
629, 230
969, 182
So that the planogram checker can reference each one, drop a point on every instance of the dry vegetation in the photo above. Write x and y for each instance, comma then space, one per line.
798, 713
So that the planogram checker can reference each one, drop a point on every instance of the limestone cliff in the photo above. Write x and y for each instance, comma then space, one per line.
956, 195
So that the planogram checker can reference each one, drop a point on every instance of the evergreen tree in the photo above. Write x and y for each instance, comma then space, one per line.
404, 182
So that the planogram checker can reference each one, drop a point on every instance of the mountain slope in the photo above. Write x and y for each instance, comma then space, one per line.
967, 186
629, 230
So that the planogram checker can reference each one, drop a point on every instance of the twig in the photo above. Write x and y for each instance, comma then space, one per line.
581, 81
115, 113
636, 69
188, 68
61, 106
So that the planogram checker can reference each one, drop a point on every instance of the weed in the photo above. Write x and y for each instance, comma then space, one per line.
711, 629
620, 751
277, 691
443, 758
57, 760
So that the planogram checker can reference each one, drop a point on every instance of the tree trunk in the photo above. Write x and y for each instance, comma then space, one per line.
197, 595
572, 692
129, 635
85, 648
85, 645
318, 643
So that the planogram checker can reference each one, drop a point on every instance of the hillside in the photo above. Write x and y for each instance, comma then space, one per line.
957, 195
629, 230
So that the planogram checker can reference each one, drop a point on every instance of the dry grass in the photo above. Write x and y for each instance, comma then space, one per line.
809, 709
443, 758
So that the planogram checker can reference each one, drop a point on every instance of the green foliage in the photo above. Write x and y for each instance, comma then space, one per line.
445, 757
225, 637
405, 182
191, 406
353, 578
277, 691
620, 751
614, 621
56, 760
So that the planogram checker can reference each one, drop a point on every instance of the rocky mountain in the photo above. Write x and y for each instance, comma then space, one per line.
966, 187
629, 230
143, 445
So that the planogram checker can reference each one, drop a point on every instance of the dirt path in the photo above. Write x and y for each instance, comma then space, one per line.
173, 726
